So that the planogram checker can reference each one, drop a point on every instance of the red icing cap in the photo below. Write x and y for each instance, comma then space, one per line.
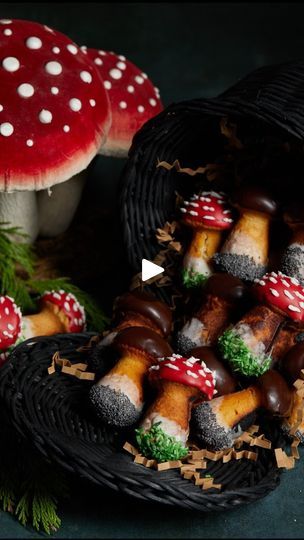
133, 98
10, 324
189, 371
283, 292
54, 109
70, 306
210, 209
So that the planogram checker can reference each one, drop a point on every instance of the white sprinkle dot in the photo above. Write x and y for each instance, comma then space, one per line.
25, 90
144, 75
1, 108
209, 217
115, 73
294, 308
86, 76
121, 65
55, 90
121, 57
92, 102
273, 279
10, 63
53, 68
153, 102
299, 295
6, 129
75, 104
107, 85
301, 305
123, 105
103, 53
274, 292
33, 42
66, 128
5, 21
140, 108
130, 88
7, 32
98, 61
30, 142
48, 29
45, 116
139, 79
72, 48
56, 50
6, 311
289, 295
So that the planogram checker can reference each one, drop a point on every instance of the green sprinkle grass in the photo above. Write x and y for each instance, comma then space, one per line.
240, 357
156, 444
192, 279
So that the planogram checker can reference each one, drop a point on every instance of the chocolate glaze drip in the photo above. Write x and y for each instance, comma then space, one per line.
255, 198
226, 286
142, 339
293, 362
276, 395
226, 383
146, 305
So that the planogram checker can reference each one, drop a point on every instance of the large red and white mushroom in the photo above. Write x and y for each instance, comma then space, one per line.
54, 116
133, 98
60, 313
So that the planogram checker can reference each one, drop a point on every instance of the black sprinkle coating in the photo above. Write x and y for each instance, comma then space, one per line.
207, 429
184, 344
298, 434
292, 263
112, 407
241, 266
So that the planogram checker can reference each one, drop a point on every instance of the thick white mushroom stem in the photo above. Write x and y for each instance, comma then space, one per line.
19, 209
172, 407
57, 206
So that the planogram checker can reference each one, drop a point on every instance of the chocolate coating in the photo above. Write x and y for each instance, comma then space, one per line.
255, 198
276, 395
142, 339
226, 286
146, 305
293, 362
226, 383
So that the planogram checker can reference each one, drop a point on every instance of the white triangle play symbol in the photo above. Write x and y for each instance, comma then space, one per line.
149, 270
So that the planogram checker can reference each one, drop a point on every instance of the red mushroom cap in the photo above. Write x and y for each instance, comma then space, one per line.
70, 306
189, 371
209, 209
54, 110
133, 98
10, 323
283, 293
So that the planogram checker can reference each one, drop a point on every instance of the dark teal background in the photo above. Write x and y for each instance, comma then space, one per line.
189, 50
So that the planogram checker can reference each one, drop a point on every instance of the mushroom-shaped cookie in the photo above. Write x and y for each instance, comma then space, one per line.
292, 262
54, 116
180, 382
60, 313
291, 367
248, 345
216, 424
223, 294
225, 381
208, 214
133, 99
118, 397
245, 251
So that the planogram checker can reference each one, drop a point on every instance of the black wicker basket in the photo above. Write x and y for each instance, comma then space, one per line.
269, 100
52, 413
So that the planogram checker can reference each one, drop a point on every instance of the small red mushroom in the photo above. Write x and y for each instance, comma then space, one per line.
60, 313
133, 98
54, 116
208, 214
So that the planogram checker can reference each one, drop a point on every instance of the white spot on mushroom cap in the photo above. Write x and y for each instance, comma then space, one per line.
92, 102
192, 374
72, 48
299, 295
171, 366
294, 308
33, 42
6, 21
139, 79
11, 63
107, 85
1, 108
140, 108
53, 68
288, 294
121, 65
25, 90
45, 116
115, 73
273, 279
209, 217
86, 76
56, 50
30, 142
55, 90
66, 128
122, 105
7, 32
75, 104
208, 383
130, 89
121, 57
98, 61
274, 292
6, 129
101, 52
153, 102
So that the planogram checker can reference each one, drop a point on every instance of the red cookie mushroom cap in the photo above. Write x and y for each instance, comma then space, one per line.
70, 306
54, 110
10, 324
133, 97
282, 292
188, 371
208, 209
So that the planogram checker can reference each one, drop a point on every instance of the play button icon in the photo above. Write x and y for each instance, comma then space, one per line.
149, 270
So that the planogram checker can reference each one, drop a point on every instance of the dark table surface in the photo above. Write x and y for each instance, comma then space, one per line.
189, 50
